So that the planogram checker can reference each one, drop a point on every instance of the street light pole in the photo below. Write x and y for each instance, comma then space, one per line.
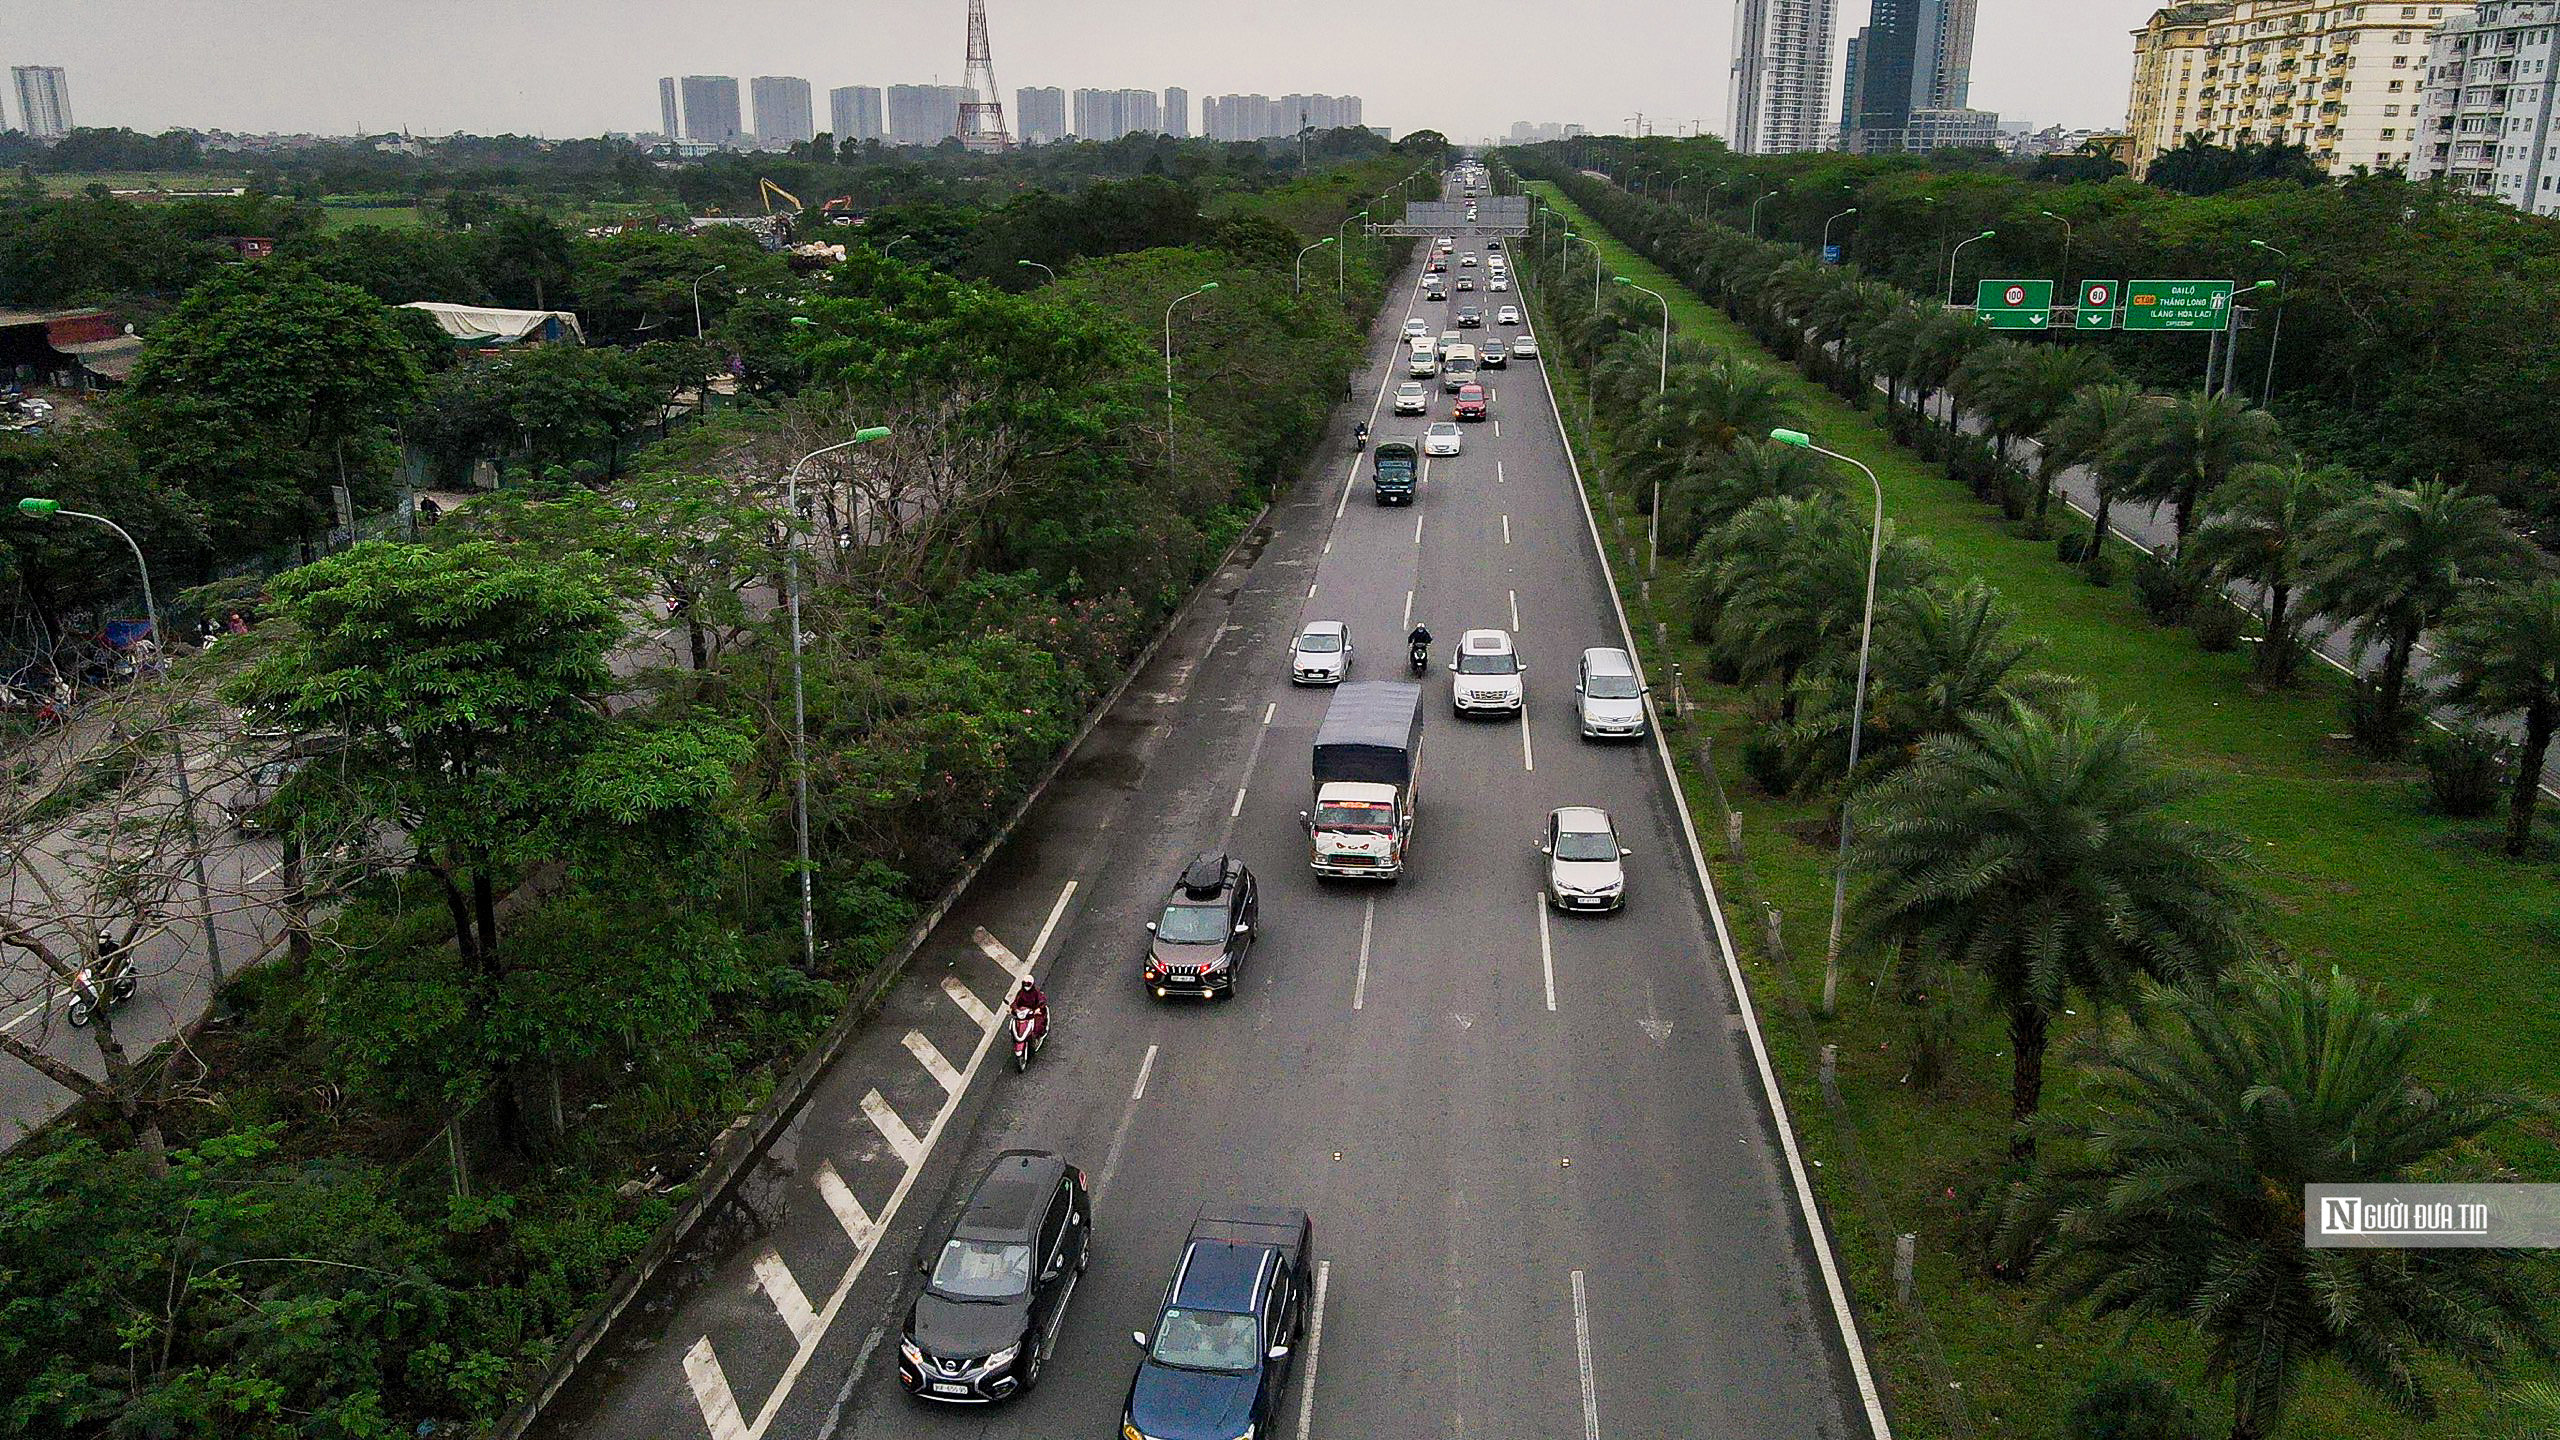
1661, 387
2267, 394
1953, 256
2231, 347
1826, 231
1205, 287
800, 694
697, 297
1343, 229
45, 509
1043, 269
1857, 713
1297, 267
1755, 213
2065, 276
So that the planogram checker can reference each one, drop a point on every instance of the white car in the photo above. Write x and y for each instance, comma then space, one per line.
1524, 346
1416, 328
1499, 281
1466, 260
1412, 399
1322, 655
1608, 697
1507, 315
1489, 674
1442, 438
1586, 866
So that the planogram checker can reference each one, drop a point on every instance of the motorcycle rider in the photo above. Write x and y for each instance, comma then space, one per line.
1029, 999
1419, 642
1359, 434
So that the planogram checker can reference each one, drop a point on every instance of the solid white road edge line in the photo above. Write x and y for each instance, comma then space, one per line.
1546, 950
1315, 1349
1582, 1359
1847, 1322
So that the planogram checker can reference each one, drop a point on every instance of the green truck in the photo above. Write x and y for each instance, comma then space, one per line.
1393, 466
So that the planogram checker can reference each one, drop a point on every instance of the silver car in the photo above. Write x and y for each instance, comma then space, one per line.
1586, 866
1322, 655
1607, 696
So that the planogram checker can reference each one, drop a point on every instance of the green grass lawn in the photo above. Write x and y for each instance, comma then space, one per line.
391, 217
73, 184
2358, 876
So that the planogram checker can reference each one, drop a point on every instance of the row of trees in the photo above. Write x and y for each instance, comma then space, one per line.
2399, 352
2020, 848
2309, 545
432, 1131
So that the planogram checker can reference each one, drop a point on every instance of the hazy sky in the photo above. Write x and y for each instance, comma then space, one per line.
580, 67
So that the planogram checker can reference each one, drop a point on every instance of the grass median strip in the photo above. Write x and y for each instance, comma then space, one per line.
2360, 878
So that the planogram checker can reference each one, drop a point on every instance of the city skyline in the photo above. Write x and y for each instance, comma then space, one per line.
158, 64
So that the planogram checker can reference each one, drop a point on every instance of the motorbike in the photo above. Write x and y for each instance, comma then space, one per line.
121, 984
1030, 1032
1421, 656
1359, 441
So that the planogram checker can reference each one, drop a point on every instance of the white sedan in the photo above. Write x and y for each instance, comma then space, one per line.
1415, 327
1499, 282
1524, 346
1507, 315
1412, 399
1442, 438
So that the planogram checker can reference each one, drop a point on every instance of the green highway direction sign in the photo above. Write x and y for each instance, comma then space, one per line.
2177, 305
2013, 304
2099, 301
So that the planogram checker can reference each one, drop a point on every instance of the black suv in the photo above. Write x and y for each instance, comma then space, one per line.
1198, 944
1237, 1308
1470, 318
988, 1317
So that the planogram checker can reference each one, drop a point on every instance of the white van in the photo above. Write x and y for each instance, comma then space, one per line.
1424, 362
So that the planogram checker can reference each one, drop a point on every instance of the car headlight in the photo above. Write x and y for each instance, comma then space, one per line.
913, 1352
1002, 1357
1130, 1432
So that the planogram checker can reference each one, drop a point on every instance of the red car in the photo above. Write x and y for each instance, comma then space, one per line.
1470, 403
1437, 267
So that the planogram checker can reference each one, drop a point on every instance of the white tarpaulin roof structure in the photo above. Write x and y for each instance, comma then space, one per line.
475, 324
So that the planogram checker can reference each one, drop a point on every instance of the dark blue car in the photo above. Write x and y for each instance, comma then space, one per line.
1231, 1322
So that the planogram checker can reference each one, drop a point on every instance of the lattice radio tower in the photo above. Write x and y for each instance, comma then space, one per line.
981, 113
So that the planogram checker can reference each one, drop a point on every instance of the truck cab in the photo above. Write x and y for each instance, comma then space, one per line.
1392, 469
1367, 768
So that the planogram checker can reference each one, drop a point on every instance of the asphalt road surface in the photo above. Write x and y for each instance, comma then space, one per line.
1548, 1197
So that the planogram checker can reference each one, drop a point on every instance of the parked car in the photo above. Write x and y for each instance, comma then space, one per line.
1608, 696
1586, 866
247, 801
1322, 655
1198, 942
987, 1321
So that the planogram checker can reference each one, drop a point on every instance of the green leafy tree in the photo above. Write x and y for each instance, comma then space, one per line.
2260, 531
464, 689
2503, 647
2176, 1193
261, 390
2092, 431
2040, 852
2185, 449
2391, 562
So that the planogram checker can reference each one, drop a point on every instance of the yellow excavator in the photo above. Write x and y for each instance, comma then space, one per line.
770, 192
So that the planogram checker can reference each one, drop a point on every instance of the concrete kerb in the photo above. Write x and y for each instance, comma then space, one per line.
747, 1138
1835, 1285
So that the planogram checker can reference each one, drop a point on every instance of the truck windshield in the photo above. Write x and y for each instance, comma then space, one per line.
1355, 817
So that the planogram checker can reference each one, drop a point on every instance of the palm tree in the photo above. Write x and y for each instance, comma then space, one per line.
2194, 443
1987, 383
2392, 562
1886, 345
2503, 647
2177, 1192
2038, 850
2261, 527
2048, 380
1710, 492
1711, 407
1941, 344
2089, 431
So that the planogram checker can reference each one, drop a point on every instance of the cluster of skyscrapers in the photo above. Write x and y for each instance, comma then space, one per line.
44, 101
701, 113
1904, 87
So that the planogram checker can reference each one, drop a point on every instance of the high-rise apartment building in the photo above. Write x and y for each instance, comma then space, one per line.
1259, 117
670, 110
1140, 113
1040, 114
783, 113
854, 113
1781, 75
1177, 112
711, 110
1097, 115
44, 100
2492, 84
1913, 59
2344, 79
924, 114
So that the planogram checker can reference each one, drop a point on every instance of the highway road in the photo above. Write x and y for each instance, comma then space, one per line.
1548, 1196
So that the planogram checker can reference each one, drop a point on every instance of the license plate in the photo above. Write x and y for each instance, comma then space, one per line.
942, 1389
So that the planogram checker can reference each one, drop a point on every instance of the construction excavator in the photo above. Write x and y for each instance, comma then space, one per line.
838, 211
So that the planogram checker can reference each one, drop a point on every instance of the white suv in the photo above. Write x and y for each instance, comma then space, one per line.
1489, 675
